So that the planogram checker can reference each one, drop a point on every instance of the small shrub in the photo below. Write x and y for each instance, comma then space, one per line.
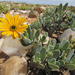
36, 25
57, 19
54, 57
4, 8
25, 7
49, 57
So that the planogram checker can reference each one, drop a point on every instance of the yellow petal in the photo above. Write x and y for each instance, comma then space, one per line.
10, 18
3, 20
16, 35
4, 33
16, 19
20, 30
8, 33
4, 29
21, 20
25, 26
3, 25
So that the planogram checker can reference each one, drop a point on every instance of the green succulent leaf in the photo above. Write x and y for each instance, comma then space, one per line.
64, 45
53, 60
37, 33
53, 66
70, 66
25, 42
56, 53
43, 54
43, 39
65, 6
30, 33
37, 58
70, 55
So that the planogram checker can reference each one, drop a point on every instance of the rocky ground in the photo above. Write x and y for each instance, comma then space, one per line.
12, 55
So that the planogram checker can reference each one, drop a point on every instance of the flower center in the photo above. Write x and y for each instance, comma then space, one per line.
13, 27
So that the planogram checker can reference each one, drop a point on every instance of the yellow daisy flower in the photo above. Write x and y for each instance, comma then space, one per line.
13, 25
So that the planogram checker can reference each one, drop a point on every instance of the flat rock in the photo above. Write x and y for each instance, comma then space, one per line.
24, 11
67, 34
2, 60
11, 46
14, 66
